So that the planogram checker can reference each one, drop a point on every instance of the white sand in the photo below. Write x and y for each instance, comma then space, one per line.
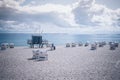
79, 63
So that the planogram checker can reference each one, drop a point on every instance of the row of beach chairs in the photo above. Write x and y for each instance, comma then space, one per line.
4, 46
94, 45
77, 44
41, 55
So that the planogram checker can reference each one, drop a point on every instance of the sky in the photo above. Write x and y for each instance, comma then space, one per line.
60, 16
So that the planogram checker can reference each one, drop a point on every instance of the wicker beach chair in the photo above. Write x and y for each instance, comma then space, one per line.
112, 46
93, 46
40, 55
116, 44
100, 44
11, 45
80, 44
4, 46
68, 45
73, 45
86, 44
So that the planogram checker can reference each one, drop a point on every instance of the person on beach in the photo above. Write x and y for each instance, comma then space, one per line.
53, 47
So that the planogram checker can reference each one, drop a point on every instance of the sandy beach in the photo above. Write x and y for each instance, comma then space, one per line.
78, 63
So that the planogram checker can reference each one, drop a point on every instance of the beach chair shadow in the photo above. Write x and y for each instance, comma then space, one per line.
31, 59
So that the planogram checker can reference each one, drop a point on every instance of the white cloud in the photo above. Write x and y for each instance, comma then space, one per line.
46, 8
83, 16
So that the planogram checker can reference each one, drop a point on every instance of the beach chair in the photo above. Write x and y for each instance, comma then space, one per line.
35, 53
96, 42
4, 46
86, 44
80, 44
11, 45
116, 44
40, 55
104, 43
110, 43
93, 46
112, 46
67, 45
100, 44
73, 45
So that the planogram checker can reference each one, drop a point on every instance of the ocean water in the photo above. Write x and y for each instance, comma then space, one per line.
20, 39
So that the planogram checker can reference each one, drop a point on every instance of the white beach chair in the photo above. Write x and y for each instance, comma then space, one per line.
86, 44
116, 44
96, 42
4, 46
35, 53
67, 45
11, 45
73, 45
40, 55
100, 44
110, 43
104, 43
93, 46
112, 46
80, 44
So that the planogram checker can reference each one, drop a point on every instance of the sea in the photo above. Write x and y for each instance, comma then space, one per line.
20, 39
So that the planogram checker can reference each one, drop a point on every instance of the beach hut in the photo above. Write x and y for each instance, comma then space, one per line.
36, 39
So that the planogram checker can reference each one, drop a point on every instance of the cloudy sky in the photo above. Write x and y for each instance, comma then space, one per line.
60, 16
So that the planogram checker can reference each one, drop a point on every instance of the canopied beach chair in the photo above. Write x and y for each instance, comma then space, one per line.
104, 43
96, 42
100, 44
112, 46
93, 46
73, 45
80, 44
116, 44
4, 46
86, 44
40, 55
68, 45
11, 45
